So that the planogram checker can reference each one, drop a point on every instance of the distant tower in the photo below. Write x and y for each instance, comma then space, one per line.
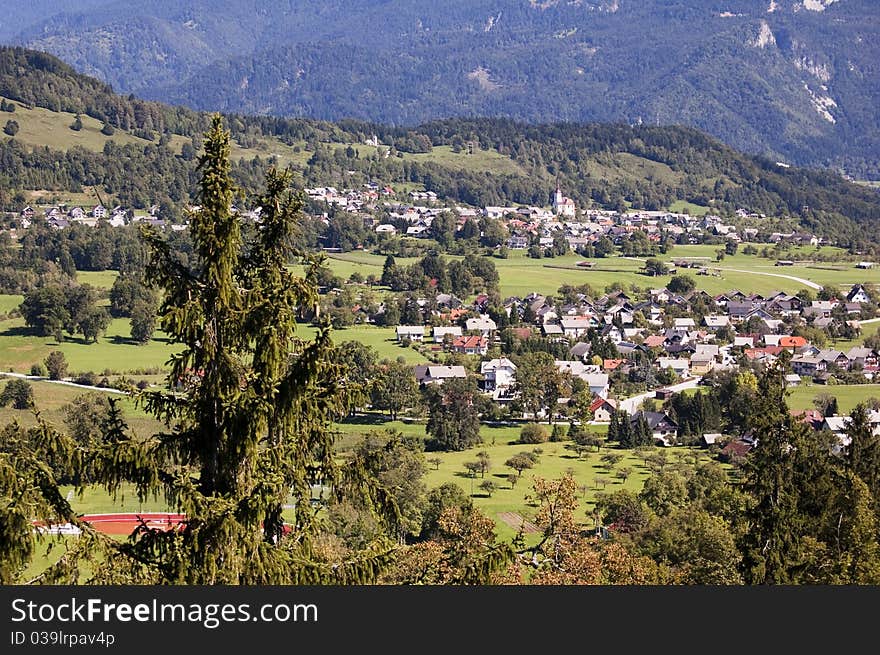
562, 206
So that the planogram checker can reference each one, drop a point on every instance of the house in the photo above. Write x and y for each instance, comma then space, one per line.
715, 322
792, 380
596, 381
483, 324
711, 438
602, 408
498, 373
681, 367
410, 333
598, 384
863, 358
684, 324
791, 343
99, 211
430, 374
471, 345
735, 449
386, 228
576, 326
663, 429
580, 350
812, 417
807, 365
552, 330
440, 332
833, 357
858, 294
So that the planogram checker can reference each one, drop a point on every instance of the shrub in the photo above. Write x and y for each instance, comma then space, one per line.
533, 433
38, 369
88, 378
18, 392
559, 433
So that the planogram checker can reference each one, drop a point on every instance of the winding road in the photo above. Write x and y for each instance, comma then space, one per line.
806, 283
68, 383
631, 404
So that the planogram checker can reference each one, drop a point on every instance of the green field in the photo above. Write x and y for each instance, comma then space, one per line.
521, 275
100, 279
685, 207
843, 274
20, 348
50, 399
488, 161
848, 396
554, 461
42, 127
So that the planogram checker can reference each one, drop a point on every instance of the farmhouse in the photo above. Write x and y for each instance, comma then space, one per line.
602, 408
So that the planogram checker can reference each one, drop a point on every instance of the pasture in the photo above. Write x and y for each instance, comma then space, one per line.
848, 396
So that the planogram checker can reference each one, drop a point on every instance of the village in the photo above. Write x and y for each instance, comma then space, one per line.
684, 335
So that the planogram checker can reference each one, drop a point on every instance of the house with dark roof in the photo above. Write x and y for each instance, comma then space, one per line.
858, 294
663, 428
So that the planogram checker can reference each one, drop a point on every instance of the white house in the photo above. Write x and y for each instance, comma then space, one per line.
563, 206
576, 326
410, 332
483, 324
498, 374
440, 332
858, 294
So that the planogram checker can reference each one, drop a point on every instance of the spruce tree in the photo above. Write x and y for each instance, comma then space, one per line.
863, 452
248, 407
773, 545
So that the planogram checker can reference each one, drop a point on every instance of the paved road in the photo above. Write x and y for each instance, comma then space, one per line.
632, 403
806, 283
812, 285
68, 383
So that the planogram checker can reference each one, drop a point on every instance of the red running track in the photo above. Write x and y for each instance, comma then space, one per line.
126, 523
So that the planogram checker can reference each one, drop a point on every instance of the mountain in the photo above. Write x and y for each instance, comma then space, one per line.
792, 80
144, 152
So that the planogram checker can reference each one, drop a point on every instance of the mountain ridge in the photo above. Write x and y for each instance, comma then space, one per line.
799, 83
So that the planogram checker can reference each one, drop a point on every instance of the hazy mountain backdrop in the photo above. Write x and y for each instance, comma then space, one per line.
798, 81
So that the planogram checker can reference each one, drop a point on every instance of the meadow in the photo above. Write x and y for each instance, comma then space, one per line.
848, 396
521, 274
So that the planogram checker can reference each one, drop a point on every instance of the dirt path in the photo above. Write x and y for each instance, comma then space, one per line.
515, 520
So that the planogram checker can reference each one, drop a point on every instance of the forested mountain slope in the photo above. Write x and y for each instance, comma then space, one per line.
792, 80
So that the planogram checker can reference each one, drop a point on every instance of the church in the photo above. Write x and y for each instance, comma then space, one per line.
563, 206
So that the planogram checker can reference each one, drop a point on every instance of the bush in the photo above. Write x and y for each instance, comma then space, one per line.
18, 392
88, 378
559, 433
38, 369
11, 128
533, 433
